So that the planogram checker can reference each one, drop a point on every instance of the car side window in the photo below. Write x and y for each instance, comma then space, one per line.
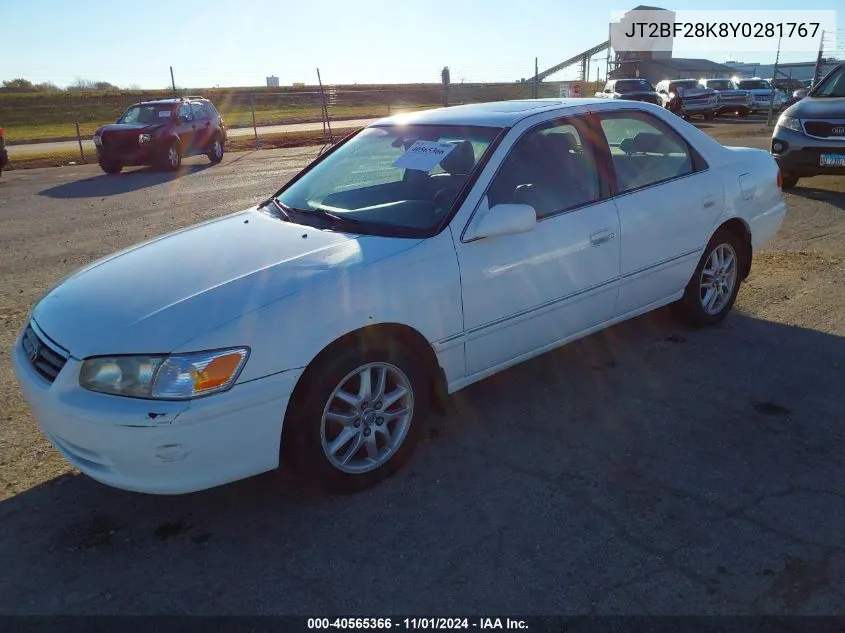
198, 111
549, 168
644, 150
210, 110
185, 112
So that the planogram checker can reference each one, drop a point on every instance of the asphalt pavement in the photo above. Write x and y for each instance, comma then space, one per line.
647, 469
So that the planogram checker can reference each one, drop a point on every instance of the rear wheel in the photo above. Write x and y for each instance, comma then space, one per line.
788, 182
712, 291
358, 418
709, 115
742, 112
111, 167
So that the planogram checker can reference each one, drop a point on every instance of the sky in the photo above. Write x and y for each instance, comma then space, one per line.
239, 43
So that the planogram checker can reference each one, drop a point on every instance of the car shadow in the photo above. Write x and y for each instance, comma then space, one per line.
834, 198
105, 185
524, 461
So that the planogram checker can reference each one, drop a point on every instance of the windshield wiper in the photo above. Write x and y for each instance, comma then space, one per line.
282, 209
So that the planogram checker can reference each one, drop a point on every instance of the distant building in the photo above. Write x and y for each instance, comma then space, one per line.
272, 81
796, 70
659, 65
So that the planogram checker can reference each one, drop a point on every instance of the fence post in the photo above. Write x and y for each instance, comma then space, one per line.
254, 126
79, 140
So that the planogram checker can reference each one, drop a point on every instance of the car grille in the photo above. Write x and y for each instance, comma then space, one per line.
120, 142
825, 129
45, 359
732, 99
697, 100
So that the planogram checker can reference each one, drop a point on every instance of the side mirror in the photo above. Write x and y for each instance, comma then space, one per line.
503, 219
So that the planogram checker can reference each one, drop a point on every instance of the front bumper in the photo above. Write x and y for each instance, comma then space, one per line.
130, 155
159, 447
801, 154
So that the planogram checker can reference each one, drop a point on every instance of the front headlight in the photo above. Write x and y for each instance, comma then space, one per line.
98, 140
144, 138
790, 123
175, 377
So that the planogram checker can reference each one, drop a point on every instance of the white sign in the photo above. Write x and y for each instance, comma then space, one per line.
694, 32
164, 114
424, 155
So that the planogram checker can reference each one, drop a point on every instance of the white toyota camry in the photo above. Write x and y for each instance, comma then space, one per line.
420, 255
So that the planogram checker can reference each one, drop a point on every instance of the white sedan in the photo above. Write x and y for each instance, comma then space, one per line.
420, 255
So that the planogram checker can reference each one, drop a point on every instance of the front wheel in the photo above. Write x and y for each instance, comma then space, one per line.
709, 115
215, 153
359, 417
111, 167
712, 291
172, 158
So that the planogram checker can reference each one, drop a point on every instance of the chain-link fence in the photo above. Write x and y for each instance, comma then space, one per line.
74, 116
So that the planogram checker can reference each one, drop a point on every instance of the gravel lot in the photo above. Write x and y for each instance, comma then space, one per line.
646, 469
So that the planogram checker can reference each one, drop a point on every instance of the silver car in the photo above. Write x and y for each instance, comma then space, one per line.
809, 138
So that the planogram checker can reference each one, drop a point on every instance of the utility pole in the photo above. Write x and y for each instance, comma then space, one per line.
818, 70
536, 79
774, 80
172, 81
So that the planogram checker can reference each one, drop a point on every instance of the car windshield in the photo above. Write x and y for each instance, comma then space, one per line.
146, 114
398, 179
633, 85
720, 84
833, 85
754, 84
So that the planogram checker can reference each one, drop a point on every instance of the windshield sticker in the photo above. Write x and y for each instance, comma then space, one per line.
424, 155
163, 114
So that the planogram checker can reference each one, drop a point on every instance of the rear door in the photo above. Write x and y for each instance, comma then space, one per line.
668, 200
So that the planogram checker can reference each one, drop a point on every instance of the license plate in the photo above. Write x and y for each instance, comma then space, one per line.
832, 160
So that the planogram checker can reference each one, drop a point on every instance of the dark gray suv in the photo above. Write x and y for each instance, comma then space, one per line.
809, 138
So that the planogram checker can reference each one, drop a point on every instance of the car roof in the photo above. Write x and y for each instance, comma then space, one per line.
491, 113
170, 101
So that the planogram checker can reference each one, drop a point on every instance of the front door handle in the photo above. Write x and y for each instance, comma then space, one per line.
600, 237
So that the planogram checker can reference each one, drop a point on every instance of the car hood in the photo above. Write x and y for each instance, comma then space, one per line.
130, 127
158, 295
638, 94
818, 108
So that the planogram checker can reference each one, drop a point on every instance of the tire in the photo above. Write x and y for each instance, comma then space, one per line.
111, 167
171, 159
215, 153
788, 182
709, 115
742, 113
698, 307
309, 434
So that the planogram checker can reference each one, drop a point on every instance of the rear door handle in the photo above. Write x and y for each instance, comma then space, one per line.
600, 237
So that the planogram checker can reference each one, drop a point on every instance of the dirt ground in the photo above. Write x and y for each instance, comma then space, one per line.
646, 469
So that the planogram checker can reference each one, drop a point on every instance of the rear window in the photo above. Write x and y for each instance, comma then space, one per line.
633, 85
754, 84
720, 84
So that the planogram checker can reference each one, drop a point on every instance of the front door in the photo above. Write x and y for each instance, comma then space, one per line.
526, 292
186, 128
668, 202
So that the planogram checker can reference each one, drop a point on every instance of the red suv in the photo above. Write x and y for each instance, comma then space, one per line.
160, 133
